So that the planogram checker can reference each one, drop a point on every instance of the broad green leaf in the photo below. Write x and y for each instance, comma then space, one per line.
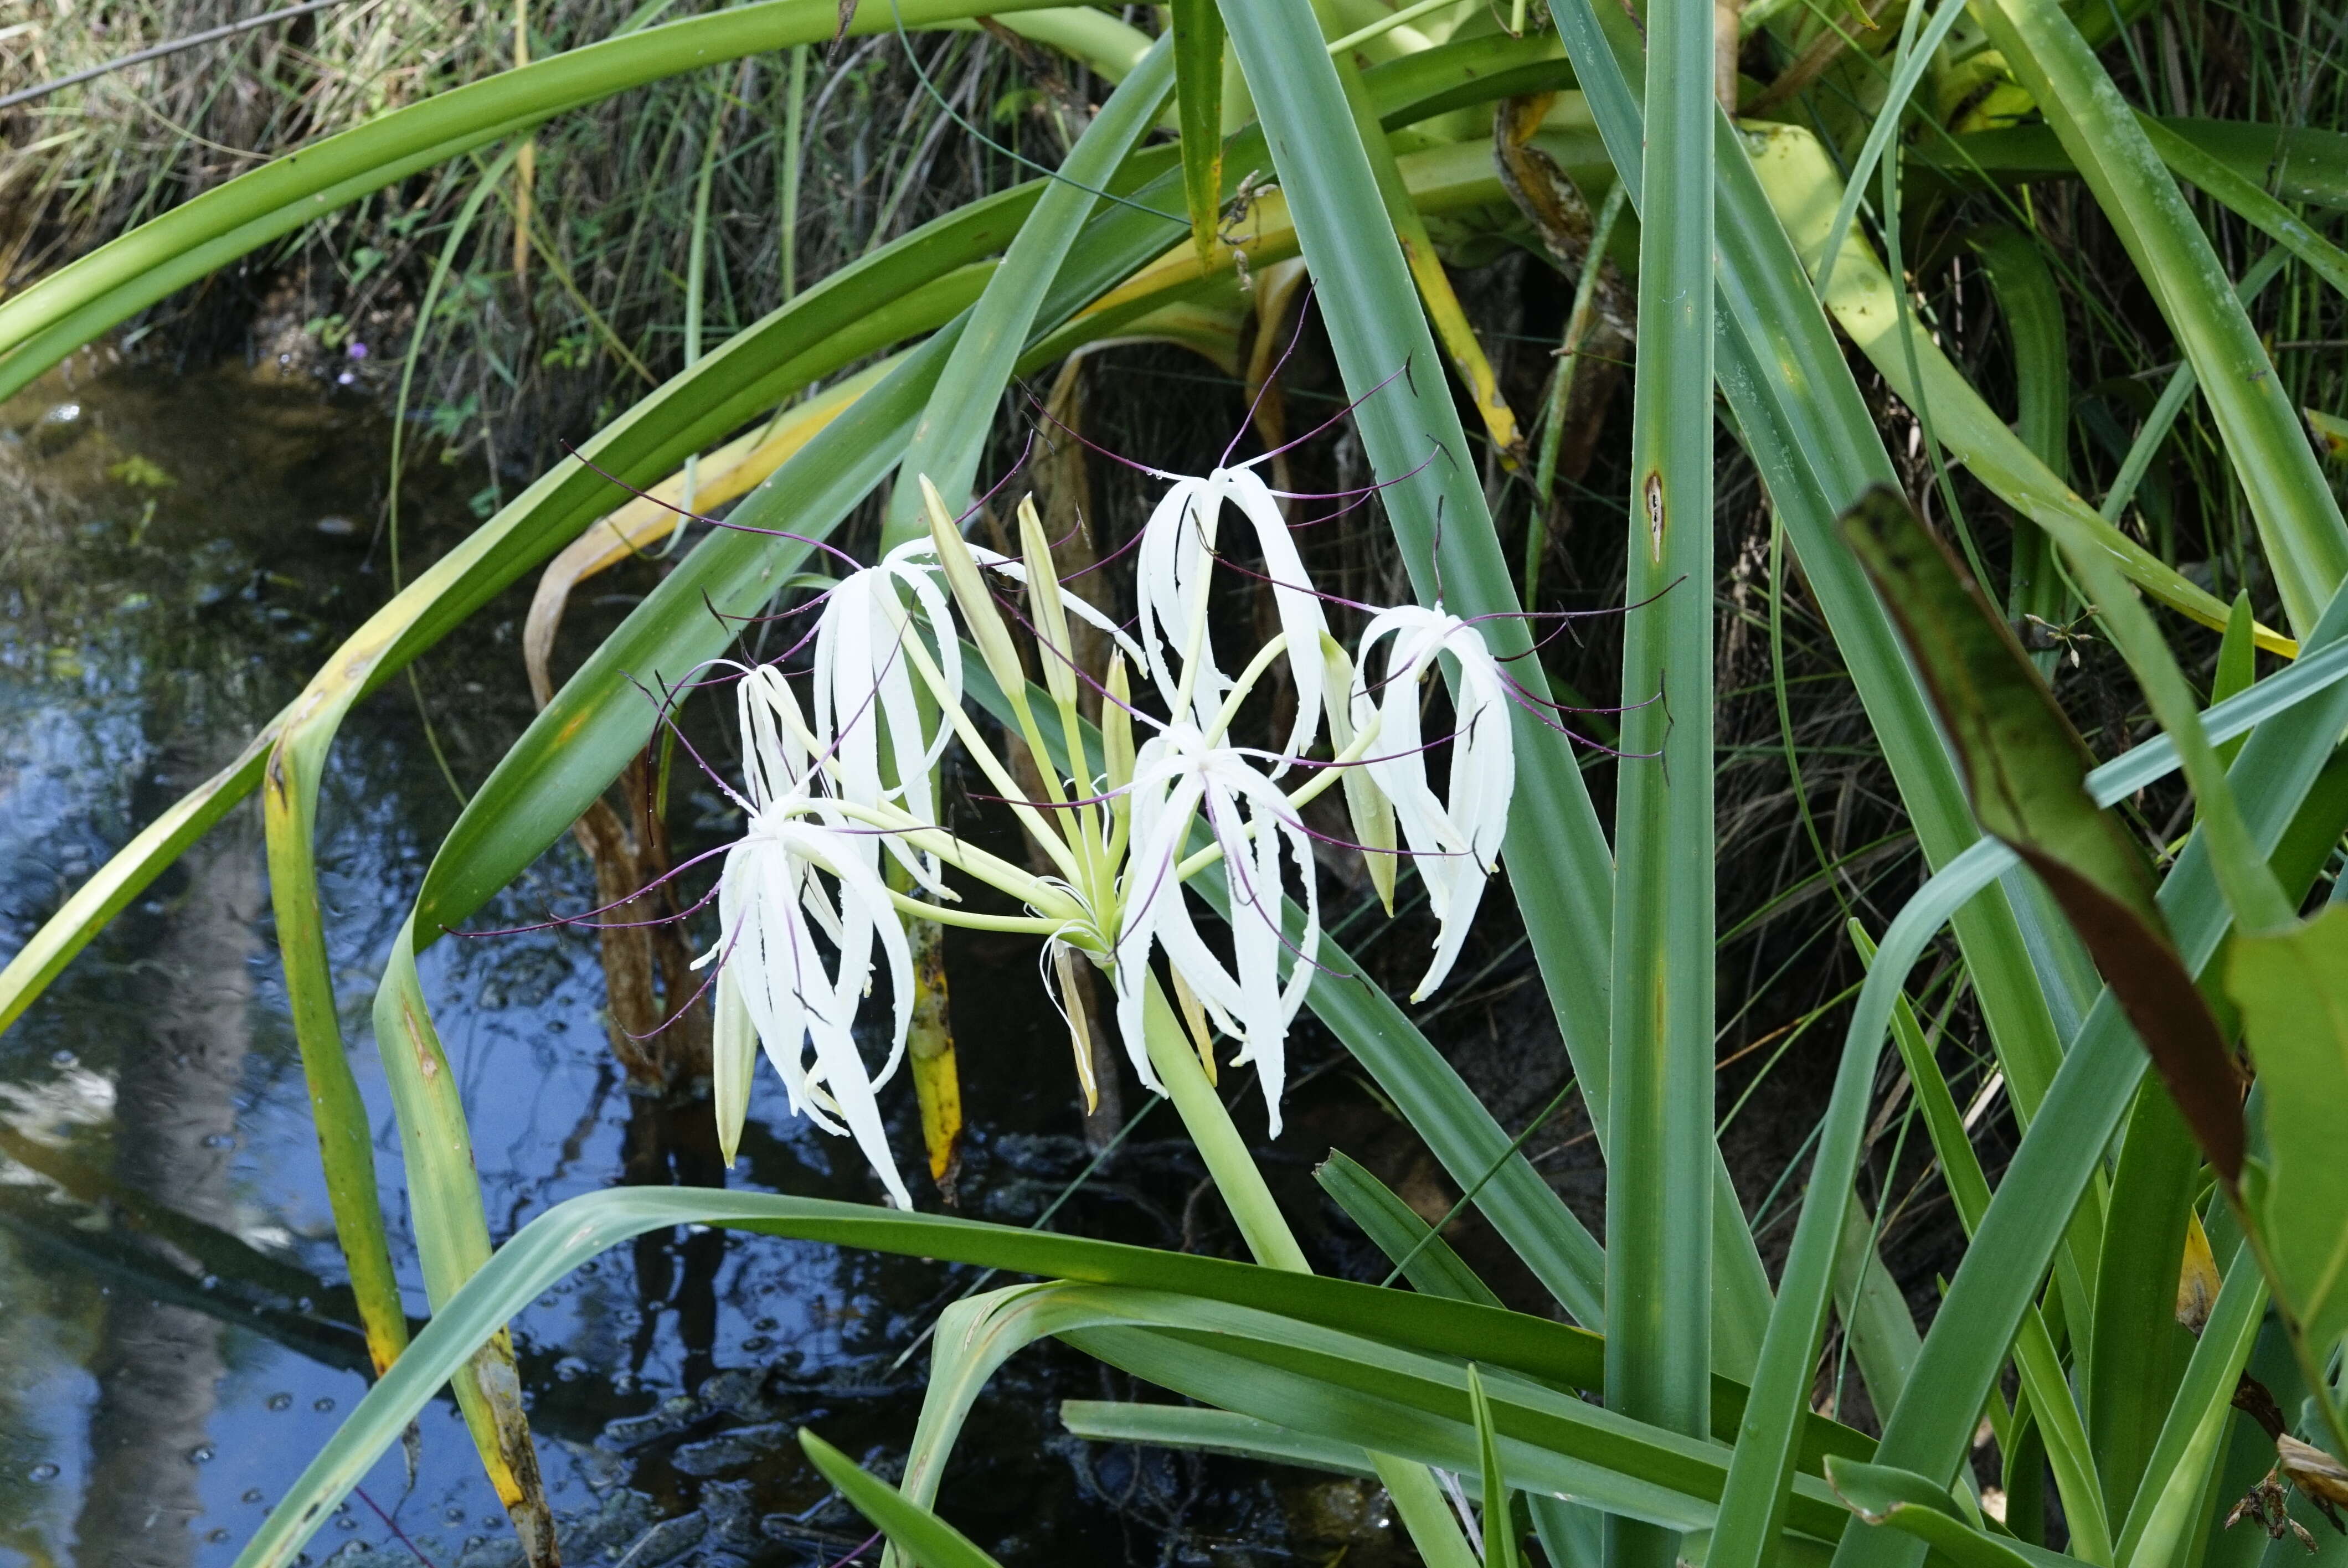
2237, 664
911, 1528
1110, 48
1661, 1149
1795, 168
2293, 988
2056, 1435
975, 1337
2024, 285
1417, 1498
2027, 769
1799, 413
1994, 1288
1442, 1334
338, 1111
1883, 1337
2303, 163
1334, 1386
2195, 1420
2249, 201
1561, 869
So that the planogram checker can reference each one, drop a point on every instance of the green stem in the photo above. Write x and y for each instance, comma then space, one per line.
1416, 1498
1209, 1122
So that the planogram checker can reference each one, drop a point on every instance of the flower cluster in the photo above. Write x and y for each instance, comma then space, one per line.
845, 841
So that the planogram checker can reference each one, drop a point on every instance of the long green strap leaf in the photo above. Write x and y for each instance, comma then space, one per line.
1660, 1150
1800, 415
1395, 1230
2250, 201
1901, 1500
913, 1529
2136, 1351
1215, 1431
2304, 163
1799, 176
1197, 29
2036, 335
2189, 1429
568, 1234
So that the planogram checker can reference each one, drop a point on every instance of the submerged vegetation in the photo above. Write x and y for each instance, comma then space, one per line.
1801, 536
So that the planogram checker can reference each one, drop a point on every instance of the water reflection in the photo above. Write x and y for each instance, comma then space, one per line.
156, 1363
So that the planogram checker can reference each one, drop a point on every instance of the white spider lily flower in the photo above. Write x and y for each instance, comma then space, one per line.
775, 984
1457, 840
1177, 777
864, 686
1172, 582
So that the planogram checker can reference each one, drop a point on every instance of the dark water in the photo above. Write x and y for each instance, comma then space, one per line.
175, 555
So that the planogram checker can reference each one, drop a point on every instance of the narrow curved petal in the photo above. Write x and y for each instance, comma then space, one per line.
1173, 580
775, 753
1301, 617
1456, 839
865, 689
776, 979
1178, 778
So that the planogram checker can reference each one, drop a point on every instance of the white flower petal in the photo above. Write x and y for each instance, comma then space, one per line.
865, 687
733, 1054
776, 758
1292, 595
1172, 579
1457, 840
772, 903
1170, 572
1176, 776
